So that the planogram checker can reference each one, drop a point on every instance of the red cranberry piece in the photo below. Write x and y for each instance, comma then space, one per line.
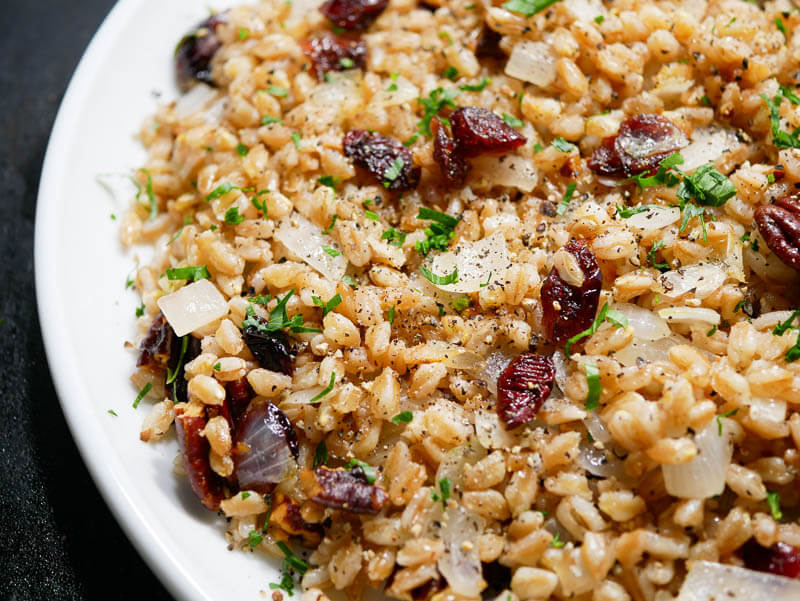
272, 350
478, 131
566, 309
780, 559
237, 398
385, 158
523, 387
643, 141
195, 51
334, 53
194, 447
353, 14
453, 165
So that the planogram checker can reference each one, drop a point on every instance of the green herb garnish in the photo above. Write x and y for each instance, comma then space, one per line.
190, 273
404, 417
719, 419
390, 315
512, 121
460, 303
613, 316
370, 472
232, 216
774, 502
451, 73
393, 172
528, 8
561, 145
439, 233
478, 87
444, 492
268, 119
595, 388
440, 280
328, 229
329, 181
242, 150
557, 543
327, 390
435, 102
142, 393
651, 256
296, 139
321, 454
331, 251
564, 204
394, 237
330, 305
277, 91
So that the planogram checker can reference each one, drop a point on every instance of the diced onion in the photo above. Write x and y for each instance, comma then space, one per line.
597, 428
646, 324
401, 91
600, 462
491, 433
460, 564
703, 476
703, 279
195, 100
193, 306
337, 99
584, 10
532, 62
654, 218
510, 171
495, 363
711, 581
690, 315
306, 240
452, 464
707, 145
475, 261
647, 350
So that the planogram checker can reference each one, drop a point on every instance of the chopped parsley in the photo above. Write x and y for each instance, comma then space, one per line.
217, 366
780, 138
478, 87
277, 91
245, 495
564, 204
269, 119
707, 186
793, 354
242, 150
595, 388
140, 310
372, 215
244, 33
254, 539
232, 216
488, 280
664, 175
393, 172
151, 198
512, 121
172, 375
177, 234
190, 273
321, 454
440, 280
561, 145
331, 251
394, 237
528, 8
537, 148
613, 316
628, 212
296, 139
444, 492
260, 205
142, 393
439, 233
220, 191
292, 560
599, 19
404, 417
451, 73
651, 256
329, 181
557, 543
112, 412
350, 281
774, 502
719, 419
346, 62
328, 229
327, 390
435, 102
390, 315
334, 302
781, 27
278, 319
460, 303
370, 473
712, 331
705, 100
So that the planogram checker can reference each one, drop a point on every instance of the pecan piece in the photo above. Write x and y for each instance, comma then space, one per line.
523, 387
385, 158
335, 53
779, 225
287, 516
194, 447
343, 489
353, 14
642, 142
566, 309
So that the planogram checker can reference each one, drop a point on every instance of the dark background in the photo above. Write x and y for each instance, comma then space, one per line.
58, 540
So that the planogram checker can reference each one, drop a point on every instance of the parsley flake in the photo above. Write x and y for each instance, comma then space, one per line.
334, 302
613, 316
595, 388
512, 121
393, 172
370, 473
444, 492
277, 91
564, 204
321, 454
435, 102
268, 119
561, 145
242, 150
232, 216
478, 87
327, 390
440, 280
439, 233
774, 502
331, 251
528, 8
404, 417
142, 393
189, 273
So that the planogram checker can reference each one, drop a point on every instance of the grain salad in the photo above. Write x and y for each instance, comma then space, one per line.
490, 300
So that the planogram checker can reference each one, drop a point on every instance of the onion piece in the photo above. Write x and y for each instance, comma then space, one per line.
401, 91
597, 428
460, 564
703, 476
264, 454
585, 10
703, 279
306, 240
707, 145
491, 432
454, 461
690, 315
510, 171
494, 365
195, 100
654, 218
710, 581
601, 462
337, 99
646, 324
193, 306
532, 62
476, 263
648, 350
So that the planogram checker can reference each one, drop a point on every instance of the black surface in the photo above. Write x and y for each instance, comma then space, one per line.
58, 541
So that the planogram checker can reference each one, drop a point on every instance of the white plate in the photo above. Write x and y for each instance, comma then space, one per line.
87, 315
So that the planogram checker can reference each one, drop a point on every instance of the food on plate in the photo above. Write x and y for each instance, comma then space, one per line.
483, 300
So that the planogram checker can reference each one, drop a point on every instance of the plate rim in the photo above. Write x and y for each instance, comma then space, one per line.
149, 546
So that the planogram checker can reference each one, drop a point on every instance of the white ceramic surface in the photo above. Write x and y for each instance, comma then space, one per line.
87, 315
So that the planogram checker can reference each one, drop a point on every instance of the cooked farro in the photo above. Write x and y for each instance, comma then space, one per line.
355, 281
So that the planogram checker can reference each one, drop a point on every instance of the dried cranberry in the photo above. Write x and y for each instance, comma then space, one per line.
353, 14
195, 51
334, 53
194, 448
272, 350
385, 158
779, 225
488, 45
156, 347
478, 131
642, 142
566, 309
453, 165
523, 387
237, 397
780, 559
343, 489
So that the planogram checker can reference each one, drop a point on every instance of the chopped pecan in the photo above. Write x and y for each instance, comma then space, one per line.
287, 516
206, 485
566, 309
779, 225
523, 387
335, 53
343, 489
